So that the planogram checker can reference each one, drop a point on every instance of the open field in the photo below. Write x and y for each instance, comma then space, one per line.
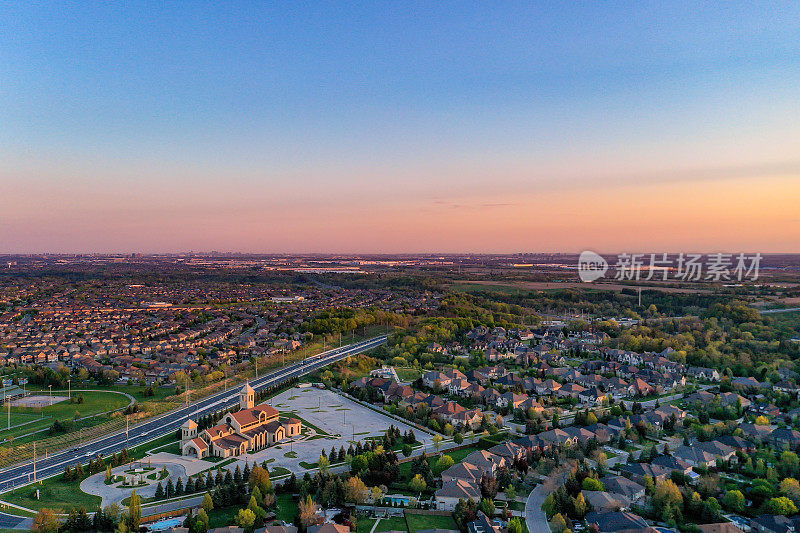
55, 494
511, 287
94, 403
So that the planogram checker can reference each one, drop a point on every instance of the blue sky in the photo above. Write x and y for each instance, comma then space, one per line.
381, 109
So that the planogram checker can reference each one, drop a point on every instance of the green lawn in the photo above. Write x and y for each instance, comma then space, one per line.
364, 524
55, 494
222, 517
516, 506
458, 455
279, 471
417, 522
173, 448
407, 374
95, 403
286, 507
394, 523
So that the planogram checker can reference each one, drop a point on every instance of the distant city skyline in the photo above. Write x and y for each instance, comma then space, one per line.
399, 128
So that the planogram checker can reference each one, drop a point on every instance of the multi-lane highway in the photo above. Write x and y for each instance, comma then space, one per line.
170, 422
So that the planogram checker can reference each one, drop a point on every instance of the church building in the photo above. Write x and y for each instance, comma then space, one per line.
251, 428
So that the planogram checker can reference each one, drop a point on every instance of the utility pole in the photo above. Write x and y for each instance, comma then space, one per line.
127, 417
69, 389
34, 461
51, 394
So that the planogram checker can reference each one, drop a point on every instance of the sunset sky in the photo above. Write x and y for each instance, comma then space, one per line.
399, 127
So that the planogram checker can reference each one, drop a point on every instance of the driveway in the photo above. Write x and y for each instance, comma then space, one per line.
535, 518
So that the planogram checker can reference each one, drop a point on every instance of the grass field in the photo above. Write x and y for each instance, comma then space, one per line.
407, 374
94, 403
286, 507
55, 494
417, 522
222, 517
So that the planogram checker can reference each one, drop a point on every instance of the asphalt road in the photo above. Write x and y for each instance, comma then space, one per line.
22, 474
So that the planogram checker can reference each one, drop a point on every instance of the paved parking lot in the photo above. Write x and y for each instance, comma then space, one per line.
336, 420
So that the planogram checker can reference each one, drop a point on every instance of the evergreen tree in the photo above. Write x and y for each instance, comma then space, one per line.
159, 492
169, 492
179, 487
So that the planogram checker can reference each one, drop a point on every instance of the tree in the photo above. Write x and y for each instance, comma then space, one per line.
245, 518
358, 464
159, 495
324, 464
45, 522
308, 512
790, 488
417, 484
666, 497
134, 511
407, 450
558, 524
257, 495
514, 526
487, 506
781, 506
444, 462
202, 520
458, 438
259, 477
355, 491
511, 493
208, 503
591, 483
437, 441
789, 463
734, 500
580, 506
465, 511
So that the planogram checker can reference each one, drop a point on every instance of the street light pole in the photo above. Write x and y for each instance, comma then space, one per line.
51, 394
69, 389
